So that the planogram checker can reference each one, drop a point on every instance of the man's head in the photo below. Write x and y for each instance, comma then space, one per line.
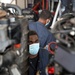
33, 42
45, 16
32, 37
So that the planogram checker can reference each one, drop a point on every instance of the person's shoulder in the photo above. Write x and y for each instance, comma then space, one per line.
32, 25
31, 22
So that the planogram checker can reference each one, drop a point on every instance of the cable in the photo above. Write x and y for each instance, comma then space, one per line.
49, 47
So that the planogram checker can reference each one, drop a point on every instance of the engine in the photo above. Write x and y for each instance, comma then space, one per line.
64, 31
13, 42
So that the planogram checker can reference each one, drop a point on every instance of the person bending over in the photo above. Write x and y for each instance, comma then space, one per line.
45, 36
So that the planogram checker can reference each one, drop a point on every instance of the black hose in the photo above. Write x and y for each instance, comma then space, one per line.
63, 28
15, 7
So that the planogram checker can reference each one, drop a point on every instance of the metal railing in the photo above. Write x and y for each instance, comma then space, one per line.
57, 12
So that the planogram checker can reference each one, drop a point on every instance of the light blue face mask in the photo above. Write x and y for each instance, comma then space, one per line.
47, 23
34, 48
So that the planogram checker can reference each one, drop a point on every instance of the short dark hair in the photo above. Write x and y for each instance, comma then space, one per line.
45, 14
31, 32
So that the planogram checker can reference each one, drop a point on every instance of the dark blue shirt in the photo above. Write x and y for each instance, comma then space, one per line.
42, 63
45, 36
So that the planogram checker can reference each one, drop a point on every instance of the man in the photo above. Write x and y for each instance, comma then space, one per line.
38, 58
45, 36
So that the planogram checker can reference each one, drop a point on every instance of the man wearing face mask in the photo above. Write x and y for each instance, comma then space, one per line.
45, 36
38, 58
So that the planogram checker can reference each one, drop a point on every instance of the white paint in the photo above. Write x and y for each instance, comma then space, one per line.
5, 1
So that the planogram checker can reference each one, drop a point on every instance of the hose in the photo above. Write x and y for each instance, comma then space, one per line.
49, 47
62, 30
17, 8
